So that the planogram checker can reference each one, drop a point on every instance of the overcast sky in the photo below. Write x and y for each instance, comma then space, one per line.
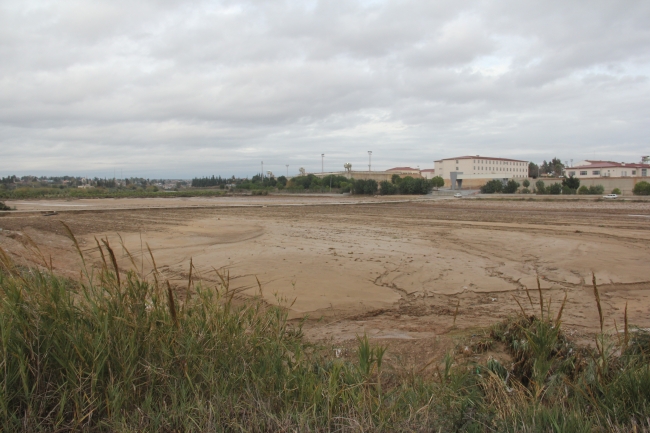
190, 88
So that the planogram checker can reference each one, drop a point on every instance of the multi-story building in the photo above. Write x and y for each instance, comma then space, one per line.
475, 171
593, 169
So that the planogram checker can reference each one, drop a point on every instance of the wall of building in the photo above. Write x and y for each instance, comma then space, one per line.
588, 172
379, 176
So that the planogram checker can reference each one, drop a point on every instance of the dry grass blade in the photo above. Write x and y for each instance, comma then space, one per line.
523, 312
626, 329
559, 313
456, 312
189, 282
530, 299
541, 298
128, 253
112, 255
74, 240
7, 264
29, 243
101, 252
172, 304
597, 295
155, 268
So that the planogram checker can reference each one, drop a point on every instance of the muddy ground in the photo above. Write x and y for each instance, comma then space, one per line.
410, 274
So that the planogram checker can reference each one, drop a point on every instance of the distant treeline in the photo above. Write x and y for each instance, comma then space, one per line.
209, 181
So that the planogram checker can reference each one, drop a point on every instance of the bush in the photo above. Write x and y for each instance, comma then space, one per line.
492, 187
567, 191
363, 186
571, 182
616, 191
642, 188
3, 206
596, 189
555, 189
540, 188
387, 188
526, 183
525, 191
437, 182
409, 185
511, 187
583, 190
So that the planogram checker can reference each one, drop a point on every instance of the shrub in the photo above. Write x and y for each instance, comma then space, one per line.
387, 188
596, 189
363, 186
642, 188
583, 190
409, 185
437, 182
555, 189
526, 183
540, 188
525, 191
493, 186
571, 182
511, 187
566, 190
3, 206
616, 191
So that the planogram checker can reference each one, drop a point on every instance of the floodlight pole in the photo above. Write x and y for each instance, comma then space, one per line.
287, 170
370, 160
322, 163
262, 172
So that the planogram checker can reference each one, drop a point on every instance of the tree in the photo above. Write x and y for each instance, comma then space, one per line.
511, 187
583, 190
363, 186
437, 182
395, 179
539, 185
387, 188
571, 182
616, 191
596, 189
526, 183
533, 170
492, 187
642, 188
282, 180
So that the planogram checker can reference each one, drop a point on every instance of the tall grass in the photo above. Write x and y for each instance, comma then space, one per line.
120, 352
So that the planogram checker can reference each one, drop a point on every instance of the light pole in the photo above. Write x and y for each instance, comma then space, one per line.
262, 172
322, 163
370, 160
287, 170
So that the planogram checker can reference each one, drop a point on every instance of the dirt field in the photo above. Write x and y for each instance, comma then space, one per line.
400, 271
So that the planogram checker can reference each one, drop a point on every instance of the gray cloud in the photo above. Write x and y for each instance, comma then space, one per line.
178, 88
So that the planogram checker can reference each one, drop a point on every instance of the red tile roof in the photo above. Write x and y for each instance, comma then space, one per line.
482, 157
402, 169
609, 164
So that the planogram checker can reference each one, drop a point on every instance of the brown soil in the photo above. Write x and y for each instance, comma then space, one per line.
406, 273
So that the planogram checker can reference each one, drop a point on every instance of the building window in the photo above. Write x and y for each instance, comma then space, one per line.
456, 163
456, 168
572, 173
633, 172
583, 173
596, 172
644, 172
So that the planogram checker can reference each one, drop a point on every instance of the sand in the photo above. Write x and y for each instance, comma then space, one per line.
398, 270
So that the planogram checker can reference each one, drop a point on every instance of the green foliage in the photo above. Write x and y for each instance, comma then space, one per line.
525, 191
642, 188
533, 170
555, 188
571, 182
616, 191
568, 191
540, 187
596, 189
395, 179
282, 181
334, 181
387, 188
3, 206
583, 190
437, 182
493, 186
511, 187
365, 186
410, 185
526, 183
57, 193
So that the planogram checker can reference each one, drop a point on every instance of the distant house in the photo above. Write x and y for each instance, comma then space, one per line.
428, 173
593, 169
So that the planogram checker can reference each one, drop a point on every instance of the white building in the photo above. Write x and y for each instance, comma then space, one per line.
475, 171
593, 169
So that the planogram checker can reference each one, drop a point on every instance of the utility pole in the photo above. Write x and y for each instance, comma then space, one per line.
322, 163
287, 170
370, 160
262, 172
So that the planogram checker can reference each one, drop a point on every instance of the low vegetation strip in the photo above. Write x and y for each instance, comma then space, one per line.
56, 193
120, 352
